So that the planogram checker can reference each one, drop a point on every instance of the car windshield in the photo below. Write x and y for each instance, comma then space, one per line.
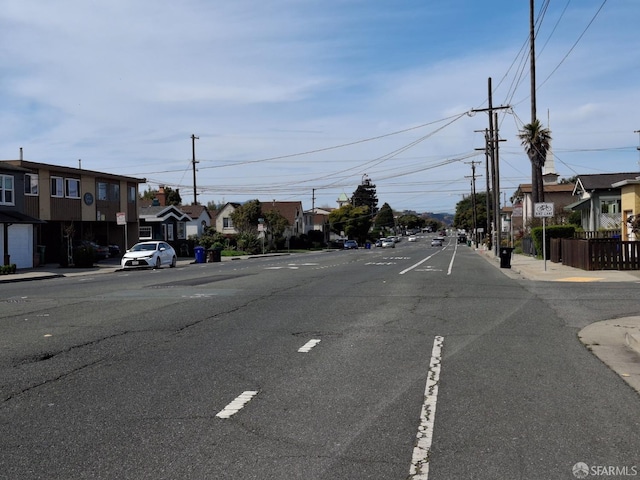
142, 247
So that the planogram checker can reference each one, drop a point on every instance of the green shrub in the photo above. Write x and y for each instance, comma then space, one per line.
84, 257
552, 231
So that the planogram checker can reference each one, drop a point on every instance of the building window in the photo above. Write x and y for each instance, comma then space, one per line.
114, 192
226, 222
145, 233
72, 188
103, 191
109, 192
31, 184
6, 190
182, 231
132, 194
169, 236
57, 187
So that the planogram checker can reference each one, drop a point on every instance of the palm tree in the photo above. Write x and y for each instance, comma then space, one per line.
536, 141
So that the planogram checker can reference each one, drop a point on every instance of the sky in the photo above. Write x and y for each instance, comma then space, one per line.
305, 99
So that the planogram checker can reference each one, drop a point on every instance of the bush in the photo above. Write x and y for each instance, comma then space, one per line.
552, 231
8, 269
84, 257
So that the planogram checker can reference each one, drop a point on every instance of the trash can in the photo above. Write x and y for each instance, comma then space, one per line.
505, 257
215, 255
199, 252
367, 246
41, 251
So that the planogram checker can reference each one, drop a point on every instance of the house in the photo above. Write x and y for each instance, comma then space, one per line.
223, 222
629, 204
200, 219
163, 222
18, 240
600, 200
78, 204
292, 211
560, 194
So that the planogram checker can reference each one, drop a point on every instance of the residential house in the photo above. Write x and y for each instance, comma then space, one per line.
560, 194
79, 204
629, 204
223, 222
600, 199
200, 219
292, 211
17, 229
318, 219
165, 222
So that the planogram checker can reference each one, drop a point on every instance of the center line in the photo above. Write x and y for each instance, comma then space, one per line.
422, 450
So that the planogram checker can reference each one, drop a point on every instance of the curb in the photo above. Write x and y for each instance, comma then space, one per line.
633, 340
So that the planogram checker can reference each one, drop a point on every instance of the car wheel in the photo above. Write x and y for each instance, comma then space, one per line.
174, 260
158, 263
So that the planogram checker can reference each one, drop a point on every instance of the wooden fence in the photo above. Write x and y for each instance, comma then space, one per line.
596, 253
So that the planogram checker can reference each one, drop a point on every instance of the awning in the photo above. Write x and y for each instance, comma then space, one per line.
10, 217
579, 205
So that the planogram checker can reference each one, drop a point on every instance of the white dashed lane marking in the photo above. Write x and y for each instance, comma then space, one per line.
422, 451
237, 405
306, 348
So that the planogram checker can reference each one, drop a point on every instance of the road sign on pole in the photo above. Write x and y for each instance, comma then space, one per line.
543, 209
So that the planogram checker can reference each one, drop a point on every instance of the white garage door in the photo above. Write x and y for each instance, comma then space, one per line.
20, 245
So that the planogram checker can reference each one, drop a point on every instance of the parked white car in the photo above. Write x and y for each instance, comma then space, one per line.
149, 255
388, 243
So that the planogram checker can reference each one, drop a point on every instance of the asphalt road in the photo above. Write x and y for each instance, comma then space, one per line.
196, 372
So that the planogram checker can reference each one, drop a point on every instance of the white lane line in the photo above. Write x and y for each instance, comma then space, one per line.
418, 264
455, 250
237, 405
422, 450
306, 348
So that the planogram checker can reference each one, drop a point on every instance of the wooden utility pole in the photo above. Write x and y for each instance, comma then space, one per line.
193, 162
473, 201
532, 55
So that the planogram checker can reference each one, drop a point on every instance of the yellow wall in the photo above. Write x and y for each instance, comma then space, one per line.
44, 191
88, 185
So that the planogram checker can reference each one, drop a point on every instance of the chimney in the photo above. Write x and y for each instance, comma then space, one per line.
162, 196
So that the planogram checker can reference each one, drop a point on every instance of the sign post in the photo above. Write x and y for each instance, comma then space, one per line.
121, 219
543, 210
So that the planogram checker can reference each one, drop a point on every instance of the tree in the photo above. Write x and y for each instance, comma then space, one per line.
355, 222
463, 218
536, 141
365, 196
245, 217
384, 218
410, 221
276, 225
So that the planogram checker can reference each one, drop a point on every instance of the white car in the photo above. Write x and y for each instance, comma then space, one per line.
413, 238
153, 254
388, 243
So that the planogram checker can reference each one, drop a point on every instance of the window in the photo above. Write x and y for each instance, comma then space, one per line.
182, 230
169, 233
227, 223
6, 190
31, 184
72, 188
132, 194
109, 192
56, 187
145, 233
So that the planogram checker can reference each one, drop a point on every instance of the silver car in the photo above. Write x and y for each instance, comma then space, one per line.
153, 254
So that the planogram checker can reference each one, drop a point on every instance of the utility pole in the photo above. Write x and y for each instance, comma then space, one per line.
492, 139
473, 201
532, 55
193, 162
313, 200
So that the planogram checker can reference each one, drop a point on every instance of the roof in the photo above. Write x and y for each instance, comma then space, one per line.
160, 214
604, 181
12, 168
194, 211
554, 188
33, 166
10, 217
289, 210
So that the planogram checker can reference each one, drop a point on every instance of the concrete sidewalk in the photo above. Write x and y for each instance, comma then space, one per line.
616, 342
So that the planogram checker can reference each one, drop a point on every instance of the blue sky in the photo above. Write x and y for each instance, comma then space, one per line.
288, 96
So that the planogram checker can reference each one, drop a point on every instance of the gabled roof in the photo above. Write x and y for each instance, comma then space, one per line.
161, 214
194, 211
602, 181
289, 210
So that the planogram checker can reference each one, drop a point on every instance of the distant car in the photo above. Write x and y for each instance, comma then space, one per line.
379, 242
388, 243
350, 245
413, 238
99, 252
149, 255
114, 251
436, 242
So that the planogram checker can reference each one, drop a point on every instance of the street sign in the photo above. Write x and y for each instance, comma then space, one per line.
121, 218
517, 211
543, 209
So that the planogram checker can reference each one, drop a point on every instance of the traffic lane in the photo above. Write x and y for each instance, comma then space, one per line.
107, 399
519, 395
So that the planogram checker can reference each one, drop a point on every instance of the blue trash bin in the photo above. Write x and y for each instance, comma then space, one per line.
367, 246
199, 252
